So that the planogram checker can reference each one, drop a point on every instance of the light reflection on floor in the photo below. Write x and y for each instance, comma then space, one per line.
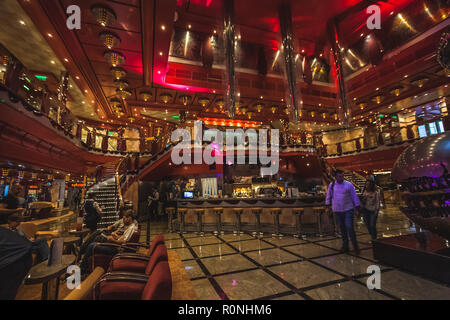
242, 267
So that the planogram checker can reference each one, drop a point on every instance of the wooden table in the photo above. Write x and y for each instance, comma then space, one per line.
80, 234
43, 273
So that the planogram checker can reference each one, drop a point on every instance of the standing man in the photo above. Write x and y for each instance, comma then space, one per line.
344, 202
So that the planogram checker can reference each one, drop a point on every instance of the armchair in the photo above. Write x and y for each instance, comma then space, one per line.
129, 286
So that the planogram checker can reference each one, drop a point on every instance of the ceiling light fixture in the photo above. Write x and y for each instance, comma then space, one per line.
109, 39
118, 72
104, 15
114, 57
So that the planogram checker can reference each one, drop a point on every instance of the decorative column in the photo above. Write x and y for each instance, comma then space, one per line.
229, 43
343, 109
284, 131
409, 133
380, 138
105, 143
94, 138
339, 148
292, 101
89, 139
79, 128
358, 145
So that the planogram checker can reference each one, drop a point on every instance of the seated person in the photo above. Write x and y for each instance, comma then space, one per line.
15, 262
11, 201
38, 246
124, 229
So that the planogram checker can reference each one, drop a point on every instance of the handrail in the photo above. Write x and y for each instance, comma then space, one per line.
21, 85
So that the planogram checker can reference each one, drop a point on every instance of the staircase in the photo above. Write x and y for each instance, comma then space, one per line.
106, 194
358, 181
107, 197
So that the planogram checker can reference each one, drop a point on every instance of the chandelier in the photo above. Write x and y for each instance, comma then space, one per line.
114, 57
104, 15
109, 39
118, 72
145, 95
203, 101
123, 93
121, 84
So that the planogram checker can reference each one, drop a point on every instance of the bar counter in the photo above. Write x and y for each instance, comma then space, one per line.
252, 202
277, 216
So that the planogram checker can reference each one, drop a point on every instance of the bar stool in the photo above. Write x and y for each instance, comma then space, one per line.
298, 212
199, 213
238, 213
170, 212
332, 218
276, 221
182, 212
257, 213
218, 212
318, 211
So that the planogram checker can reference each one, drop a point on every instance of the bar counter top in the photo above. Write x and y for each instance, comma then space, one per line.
252, 202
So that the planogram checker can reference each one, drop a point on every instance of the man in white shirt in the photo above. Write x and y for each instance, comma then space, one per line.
344, 202
124, 229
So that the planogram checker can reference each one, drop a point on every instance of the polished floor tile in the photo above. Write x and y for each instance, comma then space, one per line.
290, 297
271, 256
235, 262
409, 287
204, 290
175, 243
304, 274
349, 290
213, 250
203, 240
249, 245
192, 269
249, 285
310, 250
184, 253
337, 243
231, 237
314, 264
285, 241
367, 253
346, 264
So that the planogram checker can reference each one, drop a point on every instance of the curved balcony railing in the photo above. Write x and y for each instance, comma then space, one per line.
370, 142
22, 86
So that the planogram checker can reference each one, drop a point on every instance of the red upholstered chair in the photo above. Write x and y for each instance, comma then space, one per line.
122, 286
133, 262
103, 260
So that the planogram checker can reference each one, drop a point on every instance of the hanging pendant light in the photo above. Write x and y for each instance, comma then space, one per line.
118, 73
115, 58
121, 84
104, 15
109, 39
203, 101
145, 95
123, 93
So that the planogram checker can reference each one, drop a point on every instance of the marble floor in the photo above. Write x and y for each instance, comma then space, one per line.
232, 267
